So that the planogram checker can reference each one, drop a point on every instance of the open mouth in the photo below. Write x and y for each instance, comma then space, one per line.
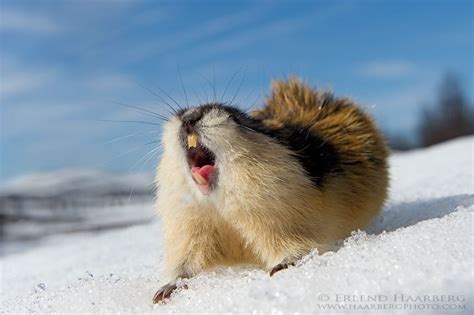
201, 160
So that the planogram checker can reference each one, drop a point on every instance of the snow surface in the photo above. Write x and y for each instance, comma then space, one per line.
419, 250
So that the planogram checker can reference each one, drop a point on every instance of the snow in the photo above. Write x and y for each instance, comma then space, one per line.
417, 255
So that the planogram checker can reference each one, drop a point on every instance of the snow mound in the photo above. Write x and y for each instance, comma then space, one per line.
416, 256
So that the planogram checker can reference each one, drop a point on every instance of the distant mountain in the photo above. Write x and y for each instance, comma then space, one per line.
63, 201
74, 183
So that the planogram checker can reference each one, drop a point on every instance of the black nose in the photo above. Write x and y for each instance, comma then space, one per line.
192, 117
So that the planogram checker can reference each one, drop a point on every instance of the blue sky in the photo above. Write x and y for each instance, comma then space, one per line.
65, 63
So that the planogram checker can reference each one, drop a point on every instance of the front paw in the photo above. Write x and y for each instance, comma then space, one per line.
164, 292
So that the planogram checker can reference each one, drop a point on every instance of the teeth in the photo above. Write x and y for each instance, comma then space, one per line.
199, 179
192, 140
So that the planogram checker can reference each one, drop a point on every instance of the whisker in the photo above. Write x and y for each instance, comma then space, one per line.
136, 164
226, 124
171, 98
139, 171
256, 100
247, 98
143, 110
205, 94
214, 83
129, 121
245, 127
240, 86
148, 161
228, 84
151, 142
197, 97
125, 153
143, 157
173, 110
131, 135
182, 86
210, 84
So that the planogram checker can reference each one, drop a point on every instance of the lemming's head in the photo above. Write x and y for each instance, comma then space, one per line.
208, 138
212, 141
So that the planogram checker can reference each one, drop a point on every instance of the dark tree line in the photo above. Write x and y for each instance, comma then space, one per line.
451, 116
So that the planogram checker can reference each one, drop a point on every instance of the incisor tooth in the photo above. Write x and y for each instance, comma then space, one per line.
192, 141
199, 179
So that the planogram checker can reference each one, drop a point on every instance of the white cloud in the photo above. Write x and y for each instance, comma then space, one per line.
110, 82
196, 34
20, 83
251, 27
387, 69
19, 78
277, 28
27, 22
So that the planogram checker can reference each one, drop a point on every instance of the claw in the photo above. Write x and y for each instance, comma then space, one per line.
164, 293
280, 266
277, 268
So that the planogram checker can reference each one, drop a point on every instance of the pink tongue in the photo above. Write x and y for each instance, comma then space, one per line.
204, 172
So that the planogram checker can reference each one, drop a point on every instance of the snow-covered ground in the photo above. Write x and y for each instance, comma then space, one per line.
416, 256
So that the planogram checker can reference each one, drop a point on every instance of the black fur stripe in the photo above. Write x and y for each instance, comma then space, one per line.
318, 157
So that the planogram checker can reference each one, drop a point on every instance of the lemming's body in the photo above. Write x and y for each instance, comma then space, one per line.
266, 187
